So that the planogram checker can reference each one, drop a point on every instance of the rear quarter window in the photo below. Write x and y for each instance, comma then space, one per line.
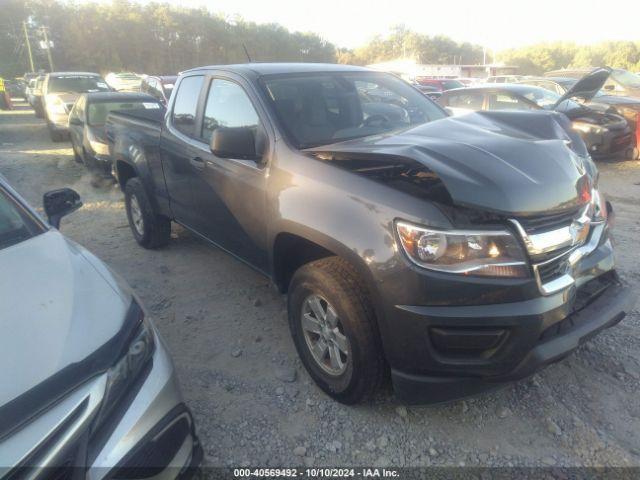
185, 107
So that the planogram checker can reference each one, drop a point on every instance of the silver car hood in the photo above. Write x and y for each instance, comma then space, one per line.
59, 305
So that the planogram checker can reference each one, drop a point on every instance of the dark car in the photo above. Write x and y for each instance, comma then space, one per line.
440, 84
628, 107
620, 82
159, 86
87, 121
606, 134
455, 253
60, 90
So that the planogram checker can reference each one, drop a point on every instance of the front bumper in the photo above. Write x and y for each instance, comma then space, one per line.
149, 432
527, 337
154, 436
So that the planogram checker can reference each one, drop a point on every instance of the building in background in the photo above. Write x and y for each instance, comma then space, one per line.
411, 70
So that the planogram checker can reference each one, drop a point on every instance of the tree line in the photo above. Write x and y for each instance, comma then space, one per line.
158, 38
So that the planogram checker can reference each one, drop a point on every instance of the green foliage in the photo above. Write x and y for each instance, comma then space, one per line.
163, 39
537, 59
404, 43
154, 38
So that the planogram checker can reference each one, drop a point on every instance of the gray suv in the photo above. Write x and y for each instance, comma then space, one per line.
87, 387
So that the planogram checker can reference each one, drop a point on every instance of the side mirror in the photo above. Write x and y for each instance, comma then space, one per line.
609, 87
75, 121
236, 142
58, 203
449, 111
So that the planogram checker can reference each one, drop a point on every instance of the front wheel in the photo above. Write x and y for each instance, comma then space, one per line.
149, 229
334, 329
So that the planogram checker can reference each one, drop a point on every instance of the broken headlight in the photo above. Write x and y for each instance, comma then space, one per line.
484, 253
135, 356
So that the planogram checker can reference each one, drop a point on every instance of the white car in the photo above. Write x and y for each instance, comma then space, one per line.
124, 81
87, 387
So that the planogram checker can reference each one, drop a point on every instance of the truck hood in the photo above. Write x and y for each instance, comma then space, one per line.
60, 307
587, 87
516, 163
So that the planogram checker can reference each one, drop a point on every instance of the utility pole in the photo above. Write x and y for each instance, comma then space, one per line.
26, 39
48, 47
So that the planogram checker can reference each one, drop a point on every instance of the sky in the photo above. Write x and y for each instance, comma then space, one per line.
496, 24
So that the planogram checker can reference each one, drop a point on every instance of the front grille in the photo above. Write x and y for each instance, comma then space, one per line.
543, 223
553, 269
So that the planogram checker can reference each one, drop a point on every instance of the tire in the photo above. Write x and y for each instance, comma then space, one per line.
76, 157
56, 136
339, 287
154, 230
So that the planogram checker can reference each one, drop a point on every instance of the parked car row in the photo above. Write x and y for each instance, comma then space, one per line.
609, 124
605, 133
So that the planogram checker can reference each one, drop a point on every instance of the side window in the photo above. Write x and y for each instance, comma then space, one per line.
501, 101
185, 107
471, 101
227, 106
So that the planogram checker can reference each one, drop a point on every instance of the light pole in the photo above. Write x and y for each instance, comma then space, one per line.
47, 45
28, 42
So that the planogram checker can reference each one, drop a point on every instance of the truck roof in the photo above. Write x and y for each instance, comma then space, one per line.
278, 68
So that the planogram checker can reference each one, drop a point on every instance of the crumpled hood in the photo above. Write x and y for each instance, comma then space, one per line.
506, 162
59, 305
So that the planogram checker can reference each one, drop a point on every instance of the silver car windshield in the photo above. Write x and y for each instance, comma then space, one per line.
16, 225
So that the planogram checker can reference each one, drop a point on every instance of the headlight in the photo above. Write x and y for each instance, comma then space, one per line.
99, 147
131, 364
55, 105
484, 253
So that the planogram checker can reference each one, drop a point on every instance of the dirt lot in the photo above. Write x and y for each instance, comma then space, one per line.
229, 337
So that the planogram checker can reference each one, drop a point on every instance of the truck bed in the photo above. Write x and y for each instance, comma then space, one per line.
146, 122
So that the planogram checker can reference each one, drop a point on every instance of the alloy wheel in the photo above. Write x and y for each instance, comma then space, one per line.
324, 335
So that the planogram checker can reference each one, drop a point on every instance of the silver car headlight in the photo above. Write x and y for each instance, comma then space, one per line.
483, 253
131, 364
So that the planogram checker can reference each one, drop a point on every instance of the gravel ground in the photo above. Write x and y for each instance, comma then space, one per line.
255, 405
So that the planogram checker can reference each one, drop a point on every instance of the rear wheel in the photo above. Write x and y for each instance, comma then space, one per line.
55, 135
149, 229
334, 329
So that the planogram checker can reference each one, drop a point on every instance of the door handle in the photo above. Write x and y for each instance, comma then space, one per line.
197, 162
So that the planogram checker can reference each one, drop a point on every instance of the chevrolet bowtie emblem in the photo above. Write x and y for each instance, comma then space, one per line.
579, 230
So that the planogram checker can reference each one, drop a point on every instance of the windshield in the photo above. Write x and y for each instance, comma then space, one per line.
77, 84
626, 79
547, 99
323, 108
15, 223
98, 112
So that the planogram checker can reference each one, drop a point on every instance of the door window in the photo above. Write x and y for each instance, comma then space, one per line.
227, 106
186, 105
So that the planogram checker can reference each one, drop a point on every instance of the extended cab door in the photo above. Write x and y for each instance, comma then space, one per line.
230, 193
180, 152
